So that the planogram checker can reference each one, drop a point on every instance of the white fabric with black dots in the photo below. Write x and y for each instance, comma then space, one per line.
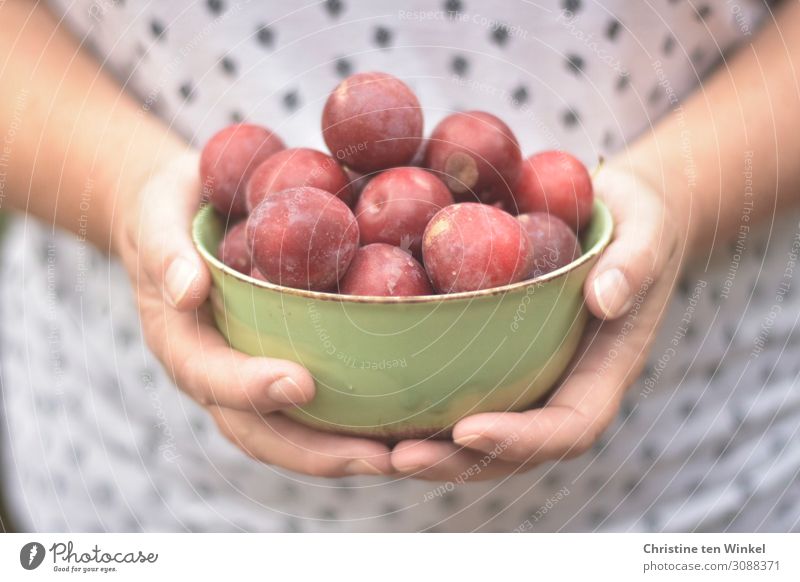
99, 439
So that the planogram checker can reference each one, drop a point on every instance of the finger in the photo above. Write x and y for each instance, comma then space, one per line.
166, 251
643, 241
211, 372
278, 440
443, 461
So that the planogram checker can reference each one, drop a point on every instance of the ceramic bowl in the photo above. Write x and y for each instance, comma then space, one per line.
412, 366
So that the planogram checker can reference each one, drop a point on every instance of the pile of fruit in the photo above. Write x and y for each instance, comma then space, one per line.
390, 213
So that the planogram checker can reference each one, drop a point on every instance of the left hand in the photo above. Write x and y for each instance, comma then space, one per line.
628, 291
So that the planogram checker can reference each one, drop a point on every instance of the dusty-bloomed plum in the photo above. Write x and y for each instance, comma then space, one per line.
476, 154
295, 167
554, 243
557, 183
396, 206
233, 250
472, 246
303, 238
372, 121
385, 270
228, 159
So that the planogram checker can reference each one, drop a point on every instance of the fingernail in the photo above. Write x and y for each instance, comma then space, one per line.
613, 293
179, 278
475, 441
361, 467
287, 391
410, 468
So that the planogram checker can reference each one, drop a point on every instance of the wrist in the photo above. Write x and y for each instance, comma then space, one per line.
122, 207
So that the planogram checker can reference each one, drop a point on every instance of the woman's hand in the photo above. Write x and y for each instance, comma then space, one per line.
627, 291
152, 236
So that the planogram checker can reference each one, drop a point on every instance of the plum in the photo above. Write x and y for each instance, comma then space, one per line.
470, 246
557, 183
396, 206
554, 243
233, 250
302, 237
228, 159
372, 121
296, 167
385, 270
476, 154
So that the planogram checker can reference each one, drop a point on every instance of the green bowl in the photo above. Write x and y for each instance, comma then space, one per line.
407, 367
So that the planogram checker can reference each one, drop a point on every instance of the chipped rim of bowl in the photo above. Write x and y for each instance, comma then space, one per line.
601, 243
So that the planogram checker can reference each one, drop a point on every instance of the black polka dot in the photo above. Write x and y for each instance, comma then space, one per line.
78, 454
453, 7
450, 500
500, 35
327, 514
494, 507
291, 100
215, 6
187, 91
334, 7
728, 332
650, 522
265, 36
575, 63
630, 485
228, 65
459, 65
596, 518
102, 494
157, 29
288, 490
623, 81
613, 28
609, 140
703, 12
711, 371
655, 96
686, 409
649, 453
291, 525
382, 36
125, 335
572, 5
519, 96
551, 480
344, 68
570, 118
777, 446
669, 45
697, 55
390, 511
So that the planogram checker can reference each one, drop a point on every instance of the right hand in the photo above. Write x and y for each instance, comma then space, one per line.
244, 394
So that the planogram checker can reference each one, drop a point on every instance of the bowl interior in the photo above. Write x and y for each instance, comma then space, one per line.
208, 229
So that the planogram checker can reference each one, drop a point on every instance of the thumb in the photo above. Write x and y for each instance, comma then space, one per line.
643, 242
169, 201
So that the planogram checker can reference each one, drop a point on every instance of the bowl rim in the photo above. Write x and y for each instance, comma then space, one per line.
601, 243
